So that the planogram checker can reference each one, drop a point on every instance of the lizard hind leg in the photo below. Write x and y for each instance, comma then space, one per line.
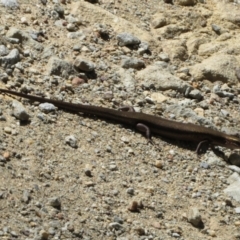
145, 129
201, 145
140, 126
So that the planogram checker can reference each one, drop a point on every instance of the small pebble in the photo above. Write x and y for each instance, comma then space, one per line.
54, 202
89, 184
71, 141
77, 81
8, 130
6, 155
24, 20
130, 191
194, 217
133, 207
237, 223
212, 233
237, 210
156, 225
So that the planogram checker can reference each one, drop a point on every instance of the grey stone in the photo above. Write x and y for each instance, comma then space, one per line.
113, 167
233, 178
237, 210
164, 57
20, 66
42, 117
71, 27
76, 47
84, 65
55, 15
59, 67
221, 93
54, 202
182, 111
126, 39
233, 189
55, 224
12, 58
3, 50
13, 40
47, 107
215, 161
71, 19
26, 196
3, 77
204, 165
76, 35
143, 47
59, 23
224, 113
176, 235
10, 3
71, 141
19, 111
14, 234
118, 220
195, 94
35, 35
135, 63
130, 191
47, 52
115, 225
59, 9
2, 160
234, 168
127, 79
216, 28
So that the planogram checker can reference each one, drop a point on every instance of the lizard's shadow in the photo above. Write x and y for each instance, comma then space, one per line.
232, 159
192, 146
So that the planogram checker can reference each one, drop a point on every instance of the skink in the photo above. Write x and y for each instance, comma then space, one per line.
146, 123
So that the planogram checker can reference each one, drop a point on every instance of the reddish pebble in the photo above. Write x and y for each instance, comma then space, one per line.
77, 81
6, 155
134, 207
156, 225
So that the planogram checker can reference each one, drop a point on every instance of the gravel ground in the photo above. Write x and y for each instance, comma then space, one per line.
72, 176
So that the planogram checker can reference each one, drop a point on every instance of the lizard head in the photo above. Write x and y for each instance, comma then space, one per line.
232, 142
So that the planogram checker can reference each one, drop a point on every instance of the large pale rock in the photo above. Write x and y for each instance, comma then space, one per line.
228, 11
233, 189
219, 67
159, 77
176, 49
